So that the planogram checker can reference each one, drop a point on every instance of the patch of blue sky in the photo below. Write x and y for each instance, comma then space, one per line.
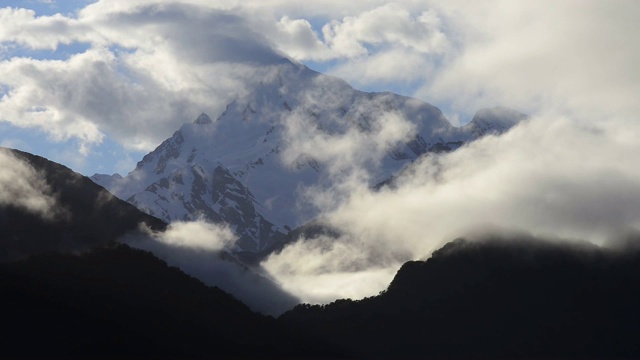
118, 51
110, 157
322, 66
107, 157
61, 52
19, 138
4, 90
35, 141
407, 88
49, 7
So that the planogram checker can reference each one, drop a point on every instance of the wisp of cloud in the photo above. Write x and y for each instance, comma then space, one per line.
199, 249
23, 187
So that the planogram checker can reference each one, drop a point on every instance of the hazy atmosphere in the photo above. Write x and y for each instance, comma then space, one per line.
96, 85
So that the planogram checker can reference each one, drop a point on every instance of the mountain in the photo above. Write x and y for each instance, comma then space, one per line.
497, 298
513, 297
493, 121
117, 301
84, 214
225, 271
249, 167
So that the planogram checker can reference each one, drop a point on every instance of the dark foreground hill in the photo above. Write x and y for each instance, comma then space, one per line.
516, 298
85, 216
119, 301
88, 215
499, 299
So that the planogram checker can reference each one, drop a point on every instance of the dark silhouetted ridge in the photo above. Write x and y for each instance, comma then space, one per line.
500, 298
90, 215
119, 301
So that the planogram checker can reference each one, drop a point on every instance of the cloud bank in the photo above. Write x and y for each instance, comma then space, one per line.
575, 57
148, 68
144, 67
549, 177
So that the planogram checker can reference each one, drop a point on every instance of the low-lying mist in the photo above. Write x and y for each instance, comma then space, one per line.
550, 177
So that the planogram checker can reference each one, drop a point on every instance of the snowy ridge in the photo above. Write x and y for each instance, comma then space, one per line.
248, 168
493, 121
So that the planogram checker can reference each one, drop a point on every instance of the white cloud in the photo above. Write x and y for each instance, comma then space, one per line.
350, 147
299, 40
151, 68
345, 147
45, 32
392, 66
550, 177
177, 59
547, 176
197, 235
573, 57
21, 186
323, 269
368, 30
153, 65
49, 94
387, 24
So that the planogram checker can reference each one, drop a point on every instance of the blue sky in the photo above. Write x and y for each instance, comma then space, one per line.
97, 84
49, 7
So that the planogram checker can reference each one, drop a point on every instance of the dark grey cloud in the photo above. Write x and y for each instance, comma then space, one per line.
198, 34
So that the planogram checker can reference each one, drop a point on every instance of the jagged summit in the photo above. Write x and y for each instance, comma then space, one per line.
203, 119
494, 121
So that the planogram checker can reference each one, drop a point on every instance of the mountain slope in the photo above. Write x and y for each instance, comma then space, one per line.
498, 298
251, 166
513, 298
493, 121
220, 269
121, 302
84, 214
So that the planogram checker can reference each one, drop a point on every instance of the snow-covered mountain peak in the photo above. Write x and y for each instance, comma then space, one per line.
203, 119
297, 129
493, 121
